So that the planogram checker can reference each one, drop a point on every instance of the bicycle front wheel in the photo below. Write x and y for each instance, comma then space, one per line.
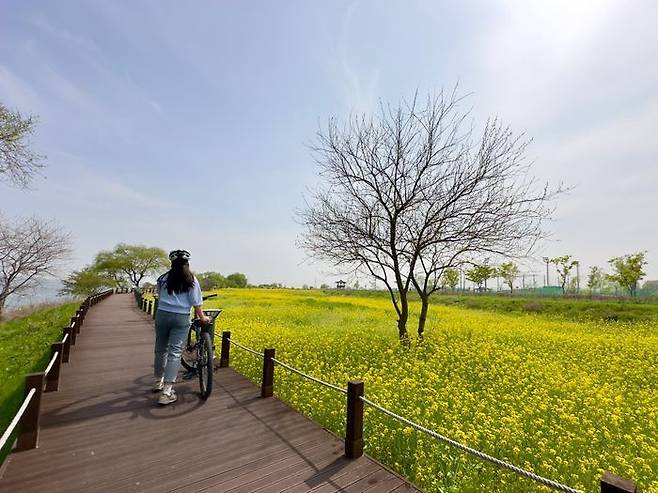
205, 365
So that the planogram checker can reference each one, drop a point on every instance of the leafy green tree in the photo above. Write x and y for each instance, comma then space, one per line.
480, 274
508, 271
87, 281
595, 279
450, 278
564, 265
628, 270
132, 262
236, 280
18, 163
211, 280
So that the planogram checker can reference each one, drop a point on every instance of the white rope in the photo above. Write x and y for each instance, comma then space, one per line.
52, 362
66, 336
481, 455
295, 370
17, 418
246, 348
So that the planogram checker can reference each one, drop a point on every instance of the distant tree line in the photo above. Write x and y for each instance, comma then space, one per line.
128, 265
215, 280
626, 273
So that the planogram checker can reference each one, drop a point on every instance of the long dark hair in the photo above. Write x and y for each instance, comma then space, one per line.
179, 277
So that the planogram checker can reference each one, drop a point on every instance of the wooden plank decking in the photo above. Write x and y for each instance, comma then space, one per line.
103, 432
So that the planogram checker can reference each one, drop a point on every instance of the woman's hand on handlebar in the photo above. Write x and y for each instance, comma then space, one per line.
202, 317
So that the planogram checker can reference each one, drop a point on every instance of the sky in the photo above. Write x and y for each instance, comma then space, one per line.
188, 124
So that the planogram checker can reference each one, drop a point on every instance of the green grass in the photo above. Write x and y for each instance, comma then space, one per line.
24, 348
578, 309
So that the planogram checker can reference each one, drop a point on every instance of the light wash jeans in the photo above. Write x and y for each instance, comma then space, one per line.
170, 336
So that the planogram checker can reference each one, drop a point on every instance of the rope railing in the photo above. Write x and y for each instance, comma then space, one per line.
316, 380
288, 367
17, 418
52, 362
252, 351
476, 453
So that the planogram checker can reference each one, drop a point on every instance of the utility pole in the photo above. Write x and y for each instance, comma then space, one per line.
547, 260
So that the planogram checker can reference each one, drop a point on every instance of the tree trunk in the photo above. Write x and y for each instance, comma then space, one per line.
404, 316
2, 305
423, 316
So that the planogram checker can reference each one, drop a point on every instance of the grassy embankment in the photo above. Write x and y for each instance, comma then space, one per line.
24, 348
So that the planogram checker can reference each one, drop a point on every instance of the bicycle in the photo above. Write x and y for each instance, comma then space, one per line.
198, 354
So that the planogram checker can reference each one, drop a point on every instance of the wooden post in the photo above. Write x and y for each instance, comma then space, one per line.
267, 387
155, 307
226, 349
611, 483
66, 352
150, 307
74, 330
28, 436
52, 379
354, 427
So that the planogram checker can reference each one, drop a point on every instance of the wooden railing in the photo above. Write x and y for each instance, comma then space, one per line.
26, 420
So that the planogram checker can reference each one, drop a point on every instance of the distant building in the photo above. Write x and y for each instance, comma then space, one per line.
340, 284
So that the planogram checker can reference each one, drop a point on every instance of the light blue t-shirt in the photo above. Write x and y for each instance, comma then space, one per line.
178, 302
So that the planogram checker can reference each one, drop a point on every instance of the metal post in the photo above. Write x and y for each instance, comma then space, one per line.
354, 427
226, 349
52, 379
267, 387
611, 483
28, 436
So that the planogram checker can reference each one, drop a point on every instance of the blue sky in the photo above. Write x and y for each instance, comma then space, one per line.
186, 124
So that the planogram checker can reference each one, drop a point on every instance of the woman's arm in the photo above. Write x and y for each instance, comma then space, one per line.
198, 311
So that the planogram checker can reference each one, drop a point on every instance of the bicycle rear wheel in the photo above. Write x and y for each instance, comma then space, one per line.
189, 356
205, 364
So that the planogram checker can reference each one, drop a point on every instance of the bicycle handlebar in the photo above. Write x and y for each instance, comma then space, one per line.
209, 296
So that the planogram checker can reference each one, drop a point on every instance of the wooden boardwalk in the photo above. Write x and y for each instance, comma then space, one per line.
103, 431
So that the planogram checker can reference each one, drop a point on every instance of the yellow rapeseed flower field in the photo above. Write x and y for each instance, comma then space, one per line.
564, 399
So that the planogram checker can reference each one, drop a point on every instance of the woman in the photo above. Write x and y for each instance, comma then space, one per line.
178, 291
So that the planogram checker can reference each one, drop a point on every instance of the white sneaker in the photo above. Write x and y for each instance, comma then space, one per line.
167, 398
158, 386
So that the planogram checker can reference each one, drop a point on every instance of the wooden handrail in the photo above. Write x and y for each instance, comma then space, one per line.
27, 417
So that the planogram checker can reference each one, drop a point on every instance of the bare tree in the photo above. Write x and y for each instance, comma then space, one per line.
29, 250
18, 163
408, 195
